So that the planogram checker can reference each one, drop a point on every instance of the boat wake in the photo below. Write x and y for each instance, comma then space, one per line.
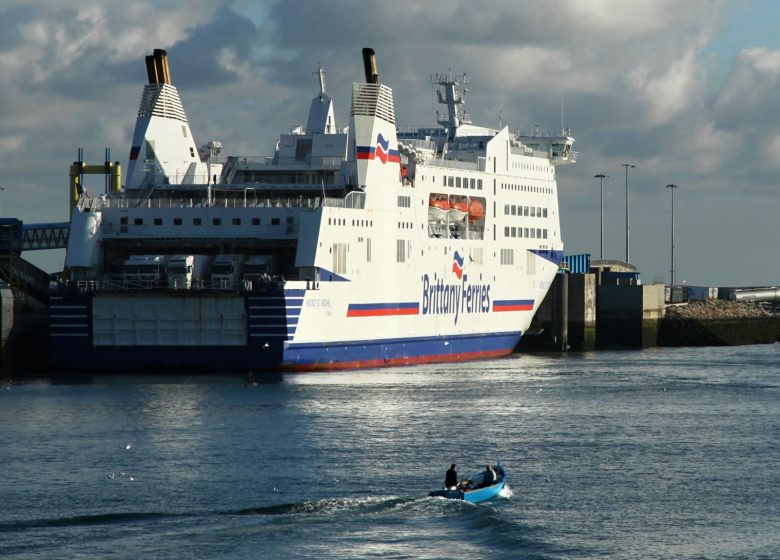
327, 506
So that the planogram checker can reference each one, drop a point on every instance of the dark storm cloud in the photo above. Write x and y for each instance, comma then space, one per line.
10, 19
197, 60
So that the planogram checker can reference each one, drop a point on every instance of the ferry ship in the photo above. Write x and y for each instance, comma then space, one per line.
365, 246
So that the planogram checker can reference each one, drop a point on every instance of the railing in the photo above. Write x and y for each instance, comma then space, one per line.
117, 283
237, 202
454, 164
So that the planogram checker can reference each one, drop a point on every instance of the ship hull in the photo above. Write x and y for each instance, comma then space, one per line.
259, 331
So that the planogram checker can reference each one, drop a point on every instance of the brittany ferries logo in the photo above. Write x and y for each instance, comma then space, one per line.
380, 150
440, 298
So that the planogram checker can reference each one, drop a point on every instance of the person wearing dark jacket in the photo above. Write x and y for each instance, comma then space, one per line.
451, 479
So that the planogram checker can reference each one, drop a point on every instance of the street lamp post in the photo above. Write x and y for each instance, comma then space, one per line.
672, 187
601, 177
628, 222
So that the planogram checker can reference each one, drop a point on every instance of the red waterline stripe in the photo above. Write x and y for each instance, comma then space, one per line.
409, 361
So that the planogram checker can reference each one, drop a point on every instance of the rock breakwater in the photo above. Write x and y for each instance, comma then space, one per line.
718, 323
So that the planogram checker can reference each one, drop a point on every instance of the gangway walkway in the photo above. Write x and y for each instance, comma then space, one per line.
17, 237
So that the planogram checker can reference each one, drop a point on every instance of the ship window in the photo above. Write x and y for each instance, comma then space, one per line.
519, 232
533, 211
525, 210
507, 257
457, 182
544, 233
303, 149
255, 221
514, 210
544, 210
139, 221
538, 233
123, 220
450, 181
514, 231
400, 252
216, 221
526, 232
275, 221
479, 184
368, 249
236, 221
177, 221
192, 152
184, 131
197, 221
340, 258
158, 221
506, 231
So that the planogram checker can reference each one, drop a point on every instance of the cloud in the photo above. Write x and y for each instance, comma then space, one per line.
629, 77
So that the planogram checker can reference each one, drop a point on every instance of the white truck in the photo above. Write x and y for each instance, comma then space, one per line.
260, 269
226, 271
187, 271
144, 270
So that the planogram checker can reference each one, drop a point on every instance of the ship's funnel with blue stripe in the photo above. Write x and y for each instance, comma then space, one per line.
372, 126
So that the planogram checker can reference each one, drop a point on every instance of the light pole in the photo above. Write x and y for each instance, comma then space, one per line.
672, 187
2, 190
628, 222
601, 177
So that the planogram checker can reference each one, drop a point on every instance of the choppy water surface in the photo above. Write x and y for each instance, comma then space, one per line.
669, 453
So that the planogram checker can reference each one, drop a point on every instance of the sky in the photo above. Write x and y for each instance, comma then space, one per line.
685, 91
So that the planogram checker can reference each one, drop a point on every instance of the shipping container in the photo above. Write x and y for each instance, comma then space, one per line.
701, 293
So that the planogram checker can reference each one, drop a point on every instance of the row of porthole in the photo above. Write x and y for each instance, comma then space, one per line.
199, 222
535, 211
526, 188
355, 223
532, 233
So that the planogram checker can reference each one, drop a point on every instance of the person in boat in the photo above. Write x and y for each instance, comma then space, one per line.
490, 476
451, 478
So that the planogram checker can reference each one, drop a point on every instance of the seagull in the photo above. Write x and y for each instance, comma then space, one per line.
129, 445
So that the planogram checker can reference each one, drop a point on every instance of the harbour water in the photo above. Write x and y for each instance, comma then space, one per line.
664, 453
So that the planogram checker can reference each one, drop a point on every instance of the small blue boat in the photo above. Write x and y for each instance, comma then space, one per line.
473, 489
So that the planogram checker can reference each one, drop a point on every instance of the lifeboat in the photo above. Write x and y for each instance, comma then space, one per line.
438, 208
458, 211
476, 210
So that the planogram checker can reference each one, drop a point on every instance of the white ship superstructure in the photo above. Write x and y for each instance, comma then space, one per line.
378, 245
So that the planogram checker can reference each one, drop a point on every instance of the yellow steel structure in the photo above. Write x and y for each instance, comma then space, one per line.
77, 169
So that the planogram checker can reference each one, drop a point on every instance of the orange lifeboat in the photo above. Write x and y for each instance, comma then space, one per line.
438, 208
458, 210
476, 210
440, 203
